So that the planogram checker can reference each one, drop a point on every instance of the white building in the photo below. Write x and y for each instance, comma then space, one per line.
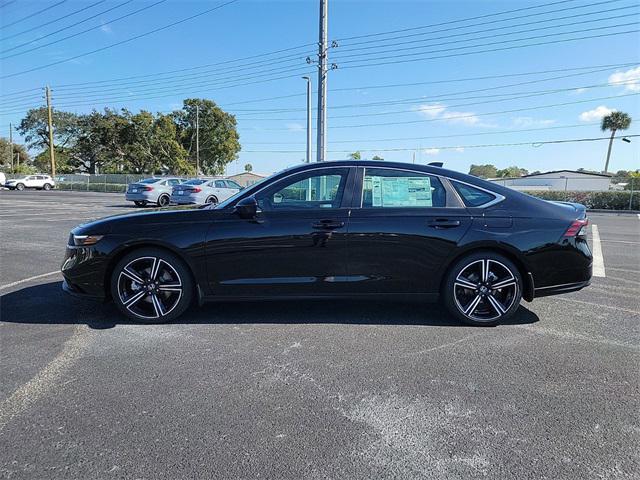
559, 180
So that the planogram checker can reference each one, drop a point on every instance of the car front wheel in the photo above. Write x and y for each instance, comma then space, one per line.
483, 289
20, 186
151, 286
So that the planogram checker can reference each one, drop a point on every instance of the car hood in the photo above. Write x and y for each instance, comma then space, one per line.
159, 216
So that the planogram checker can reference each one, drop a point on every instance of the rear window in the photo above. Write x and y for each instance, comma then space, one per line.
195, 181
149, 180
471, 196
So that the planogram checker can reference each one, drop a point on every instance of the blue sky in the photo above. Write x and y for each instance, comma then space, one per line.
440, 109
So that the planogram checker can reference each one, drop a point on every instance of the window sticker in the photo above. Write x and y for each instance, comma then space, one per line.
400, 191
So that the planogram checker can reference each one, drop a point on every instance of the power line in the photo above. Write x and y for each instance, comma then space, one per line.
6, 4
63, 17
432, 137
33, 14
73, 35
494, 35
492, 50
532, 143
451, 22
484, 23
136, 37
501, 42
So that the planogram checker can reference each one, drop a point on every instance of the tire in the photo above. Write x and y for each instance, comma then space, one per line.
20, 186
482, 301
46, 186
142, 297
163, 200
211, 200
140, 203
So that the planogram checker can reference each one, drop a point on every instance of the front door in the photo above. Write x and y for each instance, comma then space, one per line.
401, 231
295, 246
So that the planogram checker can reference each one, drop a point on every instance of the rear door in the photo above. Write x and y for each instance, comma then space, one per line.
401, 230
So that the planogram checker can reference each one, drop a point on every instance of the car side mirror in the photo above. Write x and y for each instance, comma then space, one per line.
247, 208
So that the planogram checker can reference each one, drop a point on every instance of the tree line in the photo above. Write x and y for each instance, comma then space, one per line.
119, 141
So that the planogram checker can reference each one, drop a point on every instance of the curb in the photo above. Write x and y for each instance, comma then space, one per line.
602, 210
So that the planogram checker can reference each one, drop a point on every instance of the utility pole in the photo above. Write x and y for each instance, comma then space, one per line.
197, 140
11, 144
308, 79
322, 82
50, 122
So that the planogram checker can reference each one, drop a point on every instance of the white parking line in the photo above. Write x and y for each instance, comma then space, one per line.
13, 284
598, 259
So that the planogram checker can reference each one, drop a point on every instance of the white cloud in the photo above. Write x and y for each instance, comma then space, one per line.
106, 28
294, 127
438, 110
630, 79
579, 91
596, 114
431, 151
531, 122
459, 149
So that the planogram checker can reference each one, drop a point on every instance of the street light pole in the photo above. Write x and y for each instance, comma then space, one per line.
308, 79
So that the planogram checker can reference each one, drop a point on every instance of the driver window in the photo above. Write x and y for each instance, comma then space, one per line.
311, 190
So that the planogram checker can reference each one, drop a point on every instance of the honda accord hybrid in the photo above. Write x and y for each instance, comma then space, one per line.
356, 229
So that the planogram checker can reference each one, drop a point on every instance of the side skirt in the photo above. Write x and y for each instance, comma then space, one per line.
408, 297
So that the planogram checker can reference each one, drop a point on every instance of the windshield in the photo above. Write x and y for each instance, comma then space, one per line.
249, 190
149, 180
195, 181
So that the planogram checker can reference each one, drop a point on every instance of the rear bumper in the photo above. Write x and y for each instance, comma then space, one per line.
183, 200
140, 197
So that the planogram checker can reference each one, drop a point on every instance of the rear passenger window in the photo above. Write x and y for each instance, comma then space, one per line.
220, 184
385, 188
471, 196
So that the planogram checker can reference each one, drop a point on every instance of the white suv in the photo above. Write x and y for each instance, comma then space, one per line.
41, 182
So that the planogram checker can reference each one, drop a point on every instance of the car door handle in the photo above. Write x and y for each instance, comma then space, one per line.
443, 223
327, 225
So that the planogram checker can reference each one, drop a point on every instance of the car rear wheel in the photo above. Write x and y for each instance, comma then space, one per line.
46, 186
151, 286
140, 203
163, 200
211, 199
483, 289
20, 186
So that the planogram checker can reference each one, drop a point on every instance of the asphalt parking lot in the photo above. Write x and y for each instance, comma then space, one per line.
310, 390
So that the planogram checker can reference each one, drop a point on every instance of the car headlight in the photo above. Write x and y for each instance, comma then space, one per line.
86, 240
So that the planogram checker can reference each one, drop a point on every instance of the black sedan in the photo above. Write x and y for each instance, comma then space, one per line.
362, 229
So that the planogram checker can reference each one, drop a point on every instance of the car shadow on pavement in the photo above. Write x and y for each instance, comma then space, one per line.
48, 304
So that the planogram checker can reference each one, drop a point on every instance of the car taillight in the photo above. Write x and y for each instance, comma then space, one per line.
147, 189
577, 229
196, 189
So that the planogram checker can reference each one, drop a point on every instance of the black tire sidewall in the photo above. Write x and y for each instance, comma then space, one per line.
46, 186
160, 200
175, 262
448, 295
20, 187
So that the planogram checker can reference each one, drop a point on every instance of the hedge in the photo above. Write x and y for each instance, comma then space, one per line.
609, 200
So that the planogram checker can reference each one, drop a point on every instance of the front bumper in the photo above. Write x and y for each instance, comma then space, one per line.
75, 291
84, 272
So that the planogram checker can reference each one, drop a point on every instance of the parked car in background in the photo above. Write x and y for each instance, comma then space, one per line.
38, 181
152, 190
204, 190
3, 179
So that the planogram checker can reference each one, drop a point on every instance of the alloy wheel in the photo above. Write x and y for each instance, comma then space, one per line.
163, 201
485, 290
149, 287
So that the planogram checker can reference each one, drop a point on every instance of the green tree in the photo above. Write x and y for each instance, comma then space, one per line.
511, 172
613, 122
376, 157
64, 163
34, 128
248, 167
219, 138
20, 156
483, 171
355, 155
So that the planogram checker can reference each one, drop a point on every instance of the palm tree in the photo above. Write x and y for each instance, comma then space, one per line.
614, 121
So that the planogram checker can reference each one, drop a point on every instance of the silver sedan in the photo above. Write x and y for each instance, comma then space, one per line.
204, 190
152, 190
